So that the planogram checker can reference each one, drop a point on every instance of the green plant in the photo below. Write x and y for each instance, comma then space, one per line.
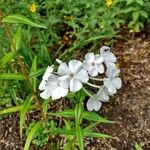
135, 13
27, 47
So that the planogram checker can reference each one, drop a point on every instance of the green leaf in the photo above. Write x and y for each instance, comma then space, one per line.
45, 107
31, 134
17, 39
62, 131
135, 15
85, 133
11, 110
7, 58
37, 73
95, 134
143, 13
141, 2
79, 136
65, 113
33, 69
24, 110
16, 18
130, 1
92, 116
14, 109
78, 114
138, 147
11, 76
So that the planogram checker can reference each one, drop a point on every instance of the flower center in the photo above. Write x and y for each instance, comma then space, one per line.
93, 64
71, 75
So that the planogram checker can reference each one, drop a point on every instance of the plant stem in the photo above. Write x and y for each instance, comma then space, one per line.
87, 92
93, 85
96, 79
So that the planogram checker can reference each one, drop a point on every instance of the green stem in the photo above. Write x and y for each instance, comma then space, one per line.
87, 92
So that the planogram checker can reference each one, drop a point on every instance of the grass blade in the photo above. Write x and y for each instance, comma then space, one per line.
79, 136
31, 135
92, 116
11, 110
33, 69
11, 76
7, 58
95, 134
23, 112
16, 18
17, 39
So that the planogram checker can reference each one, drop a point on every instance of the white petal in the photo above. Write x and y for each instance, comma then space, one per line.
100, 68
86, 65
98, 59
64, 82
110, 64
63, 69
58, 92
110, 57
75, 66
93, 71
75, 85
82, 76
104, 49
110, 86
93, 104
48, 72
97, 105
117, 82
42, 85
45, 94
112, 72
89, 105
90, 57
52, 80
59, 61
103, 94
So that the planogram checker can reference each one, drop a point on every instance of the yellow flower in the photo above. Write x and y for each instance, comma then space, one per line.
33, 7
109, 2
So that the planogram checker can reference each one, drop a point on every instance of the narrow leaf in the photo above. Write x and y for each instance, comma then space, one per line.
23, 112
7, 58
65, 113
11, 110
95, 134
31, 135
17, 39
79, 135
16, 18
37, 73
11, 76
92, 116
33, 69
14, 109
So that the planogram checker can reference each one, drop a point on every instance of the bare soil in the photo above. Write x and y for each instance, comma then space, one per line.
130, 107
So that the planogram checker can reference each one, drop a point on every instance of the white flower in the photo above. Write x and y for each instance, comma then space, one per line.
55, 88
109, 57
94, 103
103, 94
93, 64
47, 73
73, 74
112, 82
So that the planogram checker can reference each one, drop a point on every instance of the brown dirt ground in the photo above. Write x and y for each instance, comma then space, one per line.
130, 107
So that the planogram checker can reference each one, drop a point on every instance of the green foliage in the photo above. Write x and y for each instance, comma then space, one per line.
41, 137
138, 147
31, 134
30, 41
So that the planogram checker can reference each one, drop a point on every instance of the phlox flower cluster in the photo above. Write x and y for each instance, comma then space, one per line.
72, 76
